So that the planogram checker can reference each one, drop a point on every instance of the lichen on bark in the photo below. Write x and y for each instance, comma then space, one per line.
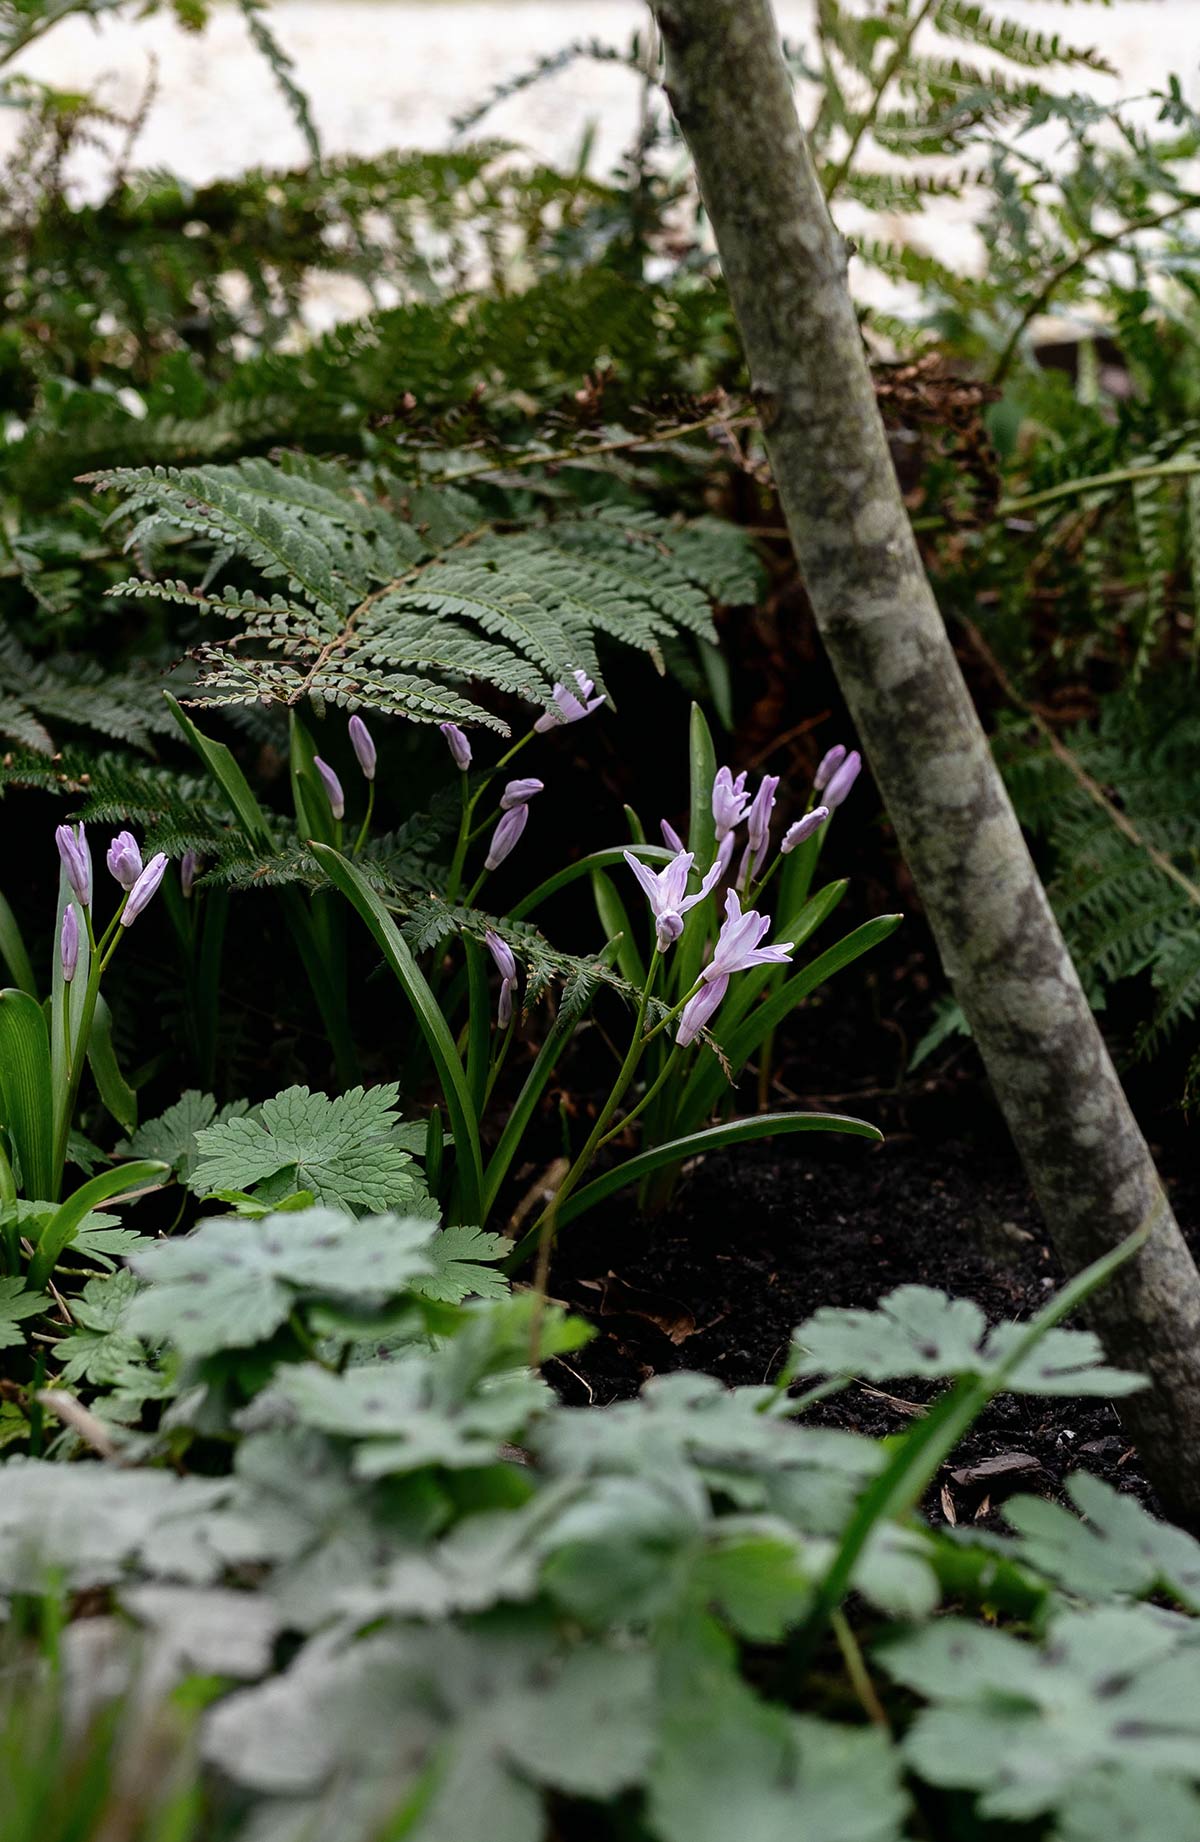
785, 265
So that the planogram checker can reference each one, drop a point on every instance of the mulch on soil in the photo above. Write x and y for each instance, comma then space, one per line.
759, 1238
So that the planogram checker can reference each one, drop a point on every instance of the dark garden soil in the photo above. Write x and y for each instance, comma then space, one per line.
758, 1238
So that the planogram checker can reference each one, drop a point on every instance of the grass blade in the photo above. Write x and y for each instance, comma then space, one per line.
430, 1021
26, 1092
13, 953
60, 1229
598, 860
731, 1132
113, 1088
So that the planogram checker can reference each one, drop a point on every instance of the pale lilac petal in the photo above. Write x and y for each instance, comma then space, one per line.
804, 828
729, 800
667, 929
333, 787
458, 742
124, 859
699, 1009
830, 763
501, 953
645, 876
758, 819
671, 837
363, 745
144, 888
519, 793
76, 857
68, 942
843, 780
506, 836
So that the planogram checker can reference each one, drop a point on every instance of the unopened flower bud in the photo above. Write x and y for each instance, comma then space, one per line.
506, 836
519, 793
506, 966
189, 863
333, 787
68, 942
144, 888
830, 763
363, 746
671, 837
804, 828
125, 859
843, 780
76, 860
458, 744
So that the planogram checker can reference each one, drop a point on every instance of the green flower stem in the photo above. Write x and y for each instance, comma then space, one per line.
102, 953
466, 835
498, 1060
620, 1087
645, 1100
366, 824
463, 839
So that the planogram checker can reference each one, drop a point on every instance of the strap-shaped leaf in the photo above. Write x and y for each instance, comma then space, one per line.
432, 1024
26, 1093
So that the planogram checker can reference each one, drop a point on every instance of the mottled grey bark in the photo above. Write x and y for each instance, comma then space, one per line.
785, 268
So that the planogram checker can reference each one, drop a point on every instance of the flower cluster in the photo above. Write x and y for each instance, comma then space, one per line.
739, 944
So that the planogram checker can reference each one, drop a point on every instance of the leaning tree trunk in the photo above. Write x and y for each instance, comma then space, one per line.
785, 267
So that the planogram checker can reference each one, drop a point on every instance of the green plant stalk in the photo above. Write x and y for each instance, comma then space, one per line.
676, 1151
617, 1093
365, 827
57, 1234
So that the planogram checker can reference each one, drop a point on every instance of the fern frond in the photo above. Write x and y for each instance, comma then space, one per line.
397, 597
1007, 38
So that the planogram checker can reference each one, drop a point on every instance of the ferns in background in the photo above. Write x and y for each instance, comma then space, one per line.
396, 596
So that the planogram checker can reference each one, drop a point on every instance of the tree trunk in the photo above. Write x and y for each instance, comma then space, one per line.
785, 269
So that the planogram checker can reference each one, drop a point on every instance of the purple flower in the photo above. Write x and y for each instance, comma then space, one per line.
738, 948
729, 801
76, 860
758, 825
758, 819
363, 746
571, 709
144, 888
506, 966
519, 793
506, 836
667, 894
845, 777
332, 786
458, 744
189, 863
68, 942
803, 828
125, 859
671, 837
830, 762
698, 1009
725, 853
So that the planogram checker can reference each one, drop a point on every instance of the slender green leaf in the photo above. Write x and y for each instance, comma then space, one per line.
731, 1132
432, 1024
26, 1094
921, 1453
113, 1088
598, 860
614, 919
706, 1083
228, 775
479, 1023
59, 1230
12, 951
